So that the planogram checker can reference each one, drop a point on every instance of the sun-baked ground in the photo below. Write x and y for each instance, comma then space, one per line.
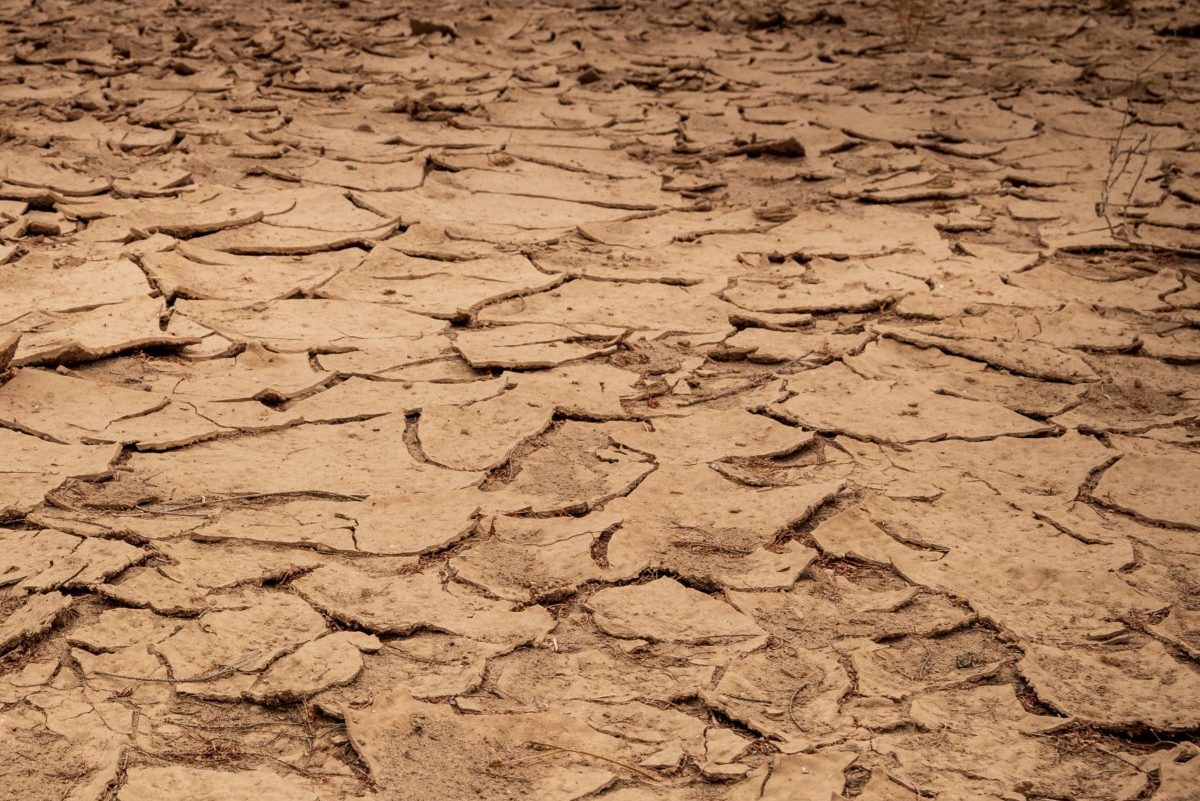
599, 400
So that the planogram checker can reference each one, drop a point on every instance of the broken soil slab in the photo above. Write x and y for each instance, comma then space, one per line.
1114, 686
35, 466
360, 398
405, 604
33, 618
835, 399
67, 409
39, 561
617, 306
709, 436
1035, 763
665, 610
55, 338
300, 325
187, 783
1152, 481
529, 345
723, 537
352, 459
823, 286
436, 287
524, 559
482, 435
199, 274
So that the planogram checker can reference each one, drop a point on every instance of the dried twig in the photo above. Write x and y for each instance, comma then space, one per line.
212, 675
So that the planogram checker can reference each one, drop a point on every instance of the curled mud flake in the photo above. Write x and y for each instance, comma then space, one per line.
63, 338
32, 618
343, 462
791, 701
1181, 628
1178, 771
265, 239
36, 285
8, 347
1023, 357
572, 469
772, 347
417, 523
1067, 586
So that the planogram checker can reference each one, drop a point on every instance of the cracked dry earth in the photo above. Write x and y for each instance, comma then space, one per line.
579, 400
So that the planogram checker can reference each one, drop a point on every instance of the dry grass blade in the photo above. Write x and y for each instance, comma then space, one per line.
911, 16
1119, 167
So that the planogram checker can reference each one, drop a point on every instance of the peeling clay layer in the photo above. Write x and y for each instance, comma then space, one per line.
728, 401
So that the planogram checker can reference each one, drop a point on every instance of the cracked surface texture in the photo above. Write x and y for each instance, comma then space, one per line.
600, 399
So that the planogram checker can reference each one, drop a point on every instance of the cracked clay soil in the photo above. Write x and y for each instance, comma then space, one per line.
611, 400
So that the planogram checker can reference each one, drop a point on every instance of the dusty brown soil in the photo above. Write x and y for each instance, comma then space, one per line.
599, 400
